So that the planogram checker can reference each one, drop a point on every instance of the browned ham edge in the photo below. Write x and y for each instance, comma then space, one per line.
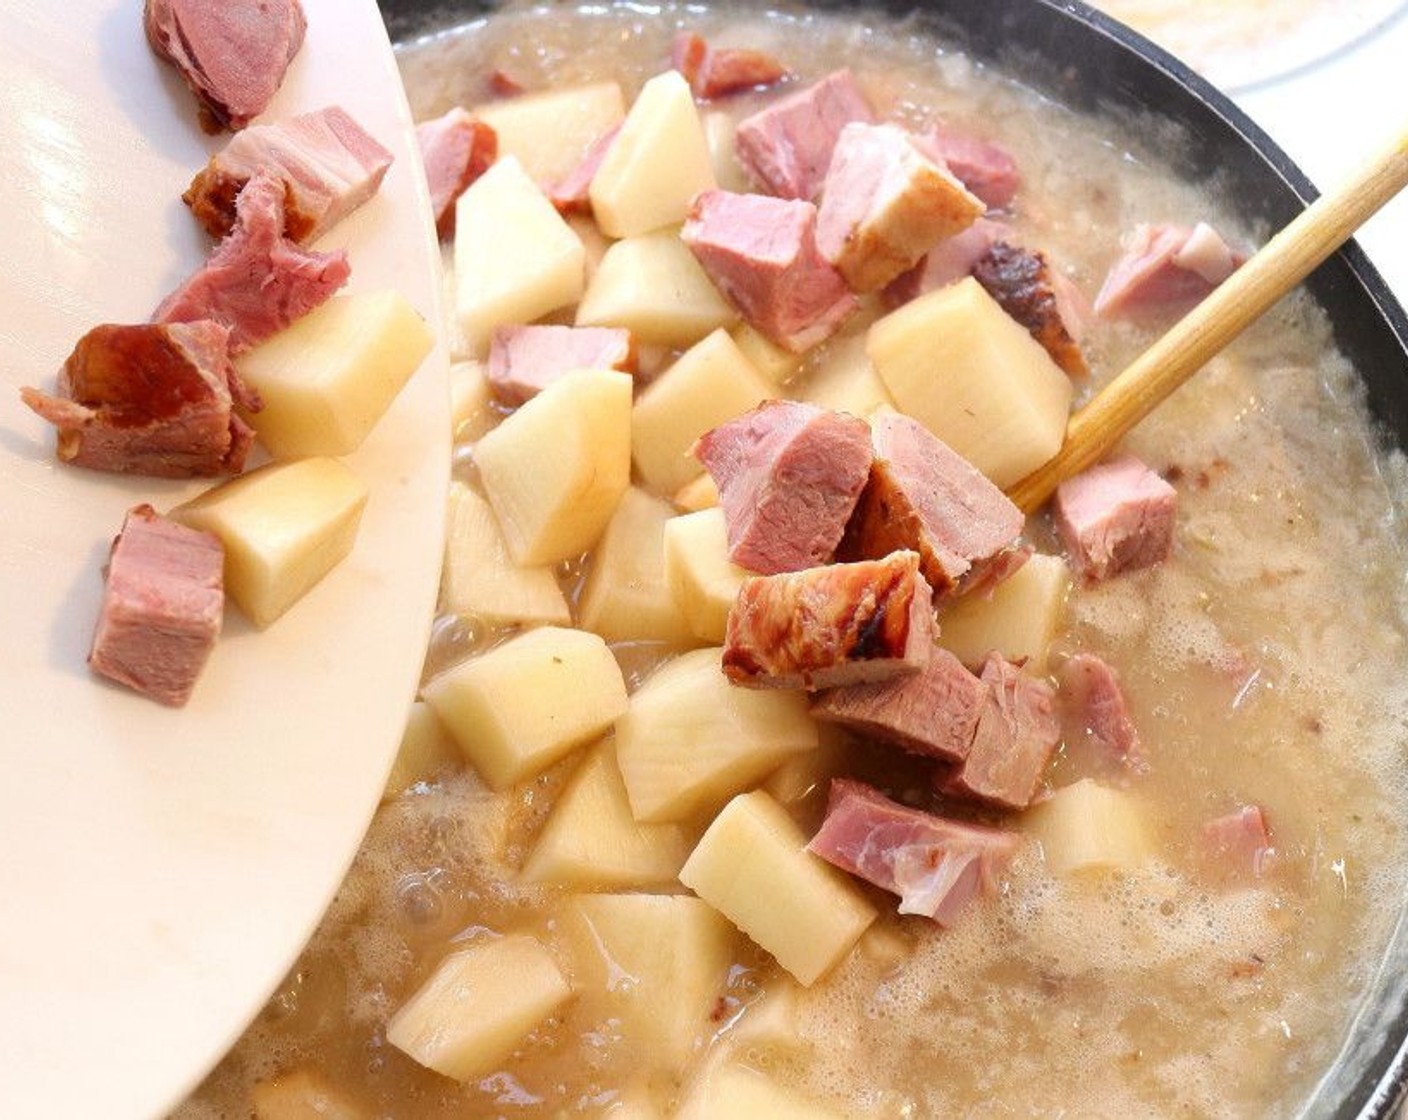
1016, 733
1115, 517
714, 72
572, 193
523, 361
455, 149
1023, 284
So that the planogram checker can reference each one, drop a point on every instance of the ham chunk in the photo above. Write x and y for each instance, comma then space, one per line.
761, 253
832, 626
523, 361
1017, 730
933, 712
572, 193
1025, 287
1115, 517
715, 73
947, 262
922, 495
1240, 843
936, 866
986, 169
162, 606
257, 281
151, 399
329, 166
884, 205
1092, 695
232, 53
788, 476
455, 149
786, 147
1166, 268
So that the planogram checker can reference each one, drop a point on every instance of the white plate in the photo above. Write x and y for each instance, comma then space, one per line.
160, 869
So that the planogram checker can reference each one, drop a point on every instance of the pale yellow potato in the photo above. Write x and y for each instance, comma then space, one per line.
425, 754
653, 286
555, 469
1089, 827
1019, 620
752, 865
844, 380
516, 259
690, 739
471, 401
478, 1005
776, 363
520, 707
703, 580
710, 382
284, 527
972, 375
769, 1021
809, 774
303, 1094
736, 1090
550, 132
699, 493
720, 130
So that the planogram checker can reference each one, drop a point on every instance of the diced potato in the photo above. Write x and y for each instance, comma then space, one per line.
774, 362
690, 739
549, 133
711, 382
330, 376
426, 752
284, 527
770, 1020
556, 468
653, 286
844, 380
1090, 827
626, 596
471, 401
972, 375
478, 1005
592, 842
479, 580
753, 866
303, 1094
593, 241
703, 580
720, 131
809, 774
700, 493
1019, 620
515, 257
656, 165
633, 1103
520, 707
739, 1091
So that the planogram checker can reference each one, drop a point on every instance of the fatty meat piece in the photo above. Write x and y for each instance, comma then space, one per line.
455, 149
715, 73
525, 360
986, 169
1115, 517
1016, 734
1091, 692
1025, 286
1166, 268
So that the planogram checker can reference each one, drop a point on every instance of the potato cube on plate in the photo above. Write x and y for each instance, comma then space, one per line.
1019, 620
549, 132
703, 580
1089, 827
736, 1090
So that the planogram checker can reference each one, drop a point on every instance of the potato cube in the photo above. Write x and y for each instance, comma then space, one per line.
479, 580
809, 775
703, 580
972, 375
656, 165
471, 401
556, 468
699, 493
719, 130
478, 1005
753, 866
739, 1091
520, 707
776, 363
303, 1094
284, 527
515, 257
548, 133
844, 380
710, 382
330, 376
690, 739
425, 753
653, 286
1087, 827
592, 842
1019, 620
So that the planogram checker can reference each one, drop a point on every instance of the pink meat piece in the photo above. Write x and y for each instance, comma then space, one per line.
455, 149
715, 73
831, 626
162, 606
1091, 691
1240, 842
232, 53
947, 262
933, 712
1166, 268
572, 193
257, 281
523, 361
986, 169
1017, 731
1024, 286
936, 866
761, 253
788, 476
786, 147
150, 399
329, 166
923, 495
1115, 517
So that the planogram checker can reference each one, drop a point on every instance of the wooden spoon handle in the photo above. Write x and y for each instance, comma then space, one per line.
1282, 263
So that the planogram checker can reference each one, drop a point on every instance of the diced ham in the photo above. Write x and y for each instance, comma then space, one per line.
788, 476
152, 399
831, 626
1115, 517
163, 602
936, 866
455, 149
786, 147
950, 260
933, 712
923, 495
1024, 285
761, 253
232, 53
257, 281
687, 54
1017, 731
1166, 268
1240, 842
884, 205
503, 84
1092, 695
986, 169
523, 361
572, 193
715, 73
329, 166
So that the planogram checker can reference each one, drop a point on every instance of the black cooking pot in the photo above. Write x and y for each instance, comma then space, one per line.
1088, 61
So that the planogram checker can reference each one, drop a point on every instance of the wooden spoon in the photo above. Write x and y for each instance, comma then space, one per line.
1282, 263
